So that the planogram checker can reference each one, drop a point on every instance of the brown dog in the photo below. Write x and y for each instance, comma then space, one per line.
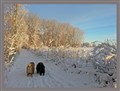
30, 69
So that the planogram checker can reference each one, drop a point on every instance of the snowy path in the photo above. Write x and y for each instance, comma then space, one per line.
54, 76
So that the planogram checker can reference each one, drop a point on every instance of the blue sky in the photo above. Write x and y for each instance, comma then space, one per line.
98, 21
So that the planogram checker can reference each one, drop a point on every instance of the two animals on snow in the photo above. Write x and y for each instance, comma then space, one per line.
40, 68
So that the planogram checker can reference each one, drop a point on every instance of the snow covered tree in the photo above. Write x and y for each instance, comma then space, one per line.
16, 32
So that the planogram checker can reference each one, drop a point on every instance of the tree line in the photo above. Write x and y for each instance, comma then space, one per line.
23, 29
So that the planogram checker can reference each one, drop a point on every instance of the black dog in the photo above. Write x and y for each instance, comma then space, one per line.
40, 68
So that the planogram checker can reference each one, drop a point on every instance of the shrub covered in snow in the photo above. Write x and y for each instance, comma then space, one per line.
104, 60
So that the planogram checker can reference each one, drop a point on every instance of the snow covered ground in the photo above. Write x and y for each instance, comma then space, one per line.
62, 71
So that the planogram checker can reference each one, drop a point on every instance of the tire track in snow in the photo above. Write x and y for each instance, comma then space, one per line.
52, 80
48, 81
36, 80
43, 81
55, 81
30, 82
39, 81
